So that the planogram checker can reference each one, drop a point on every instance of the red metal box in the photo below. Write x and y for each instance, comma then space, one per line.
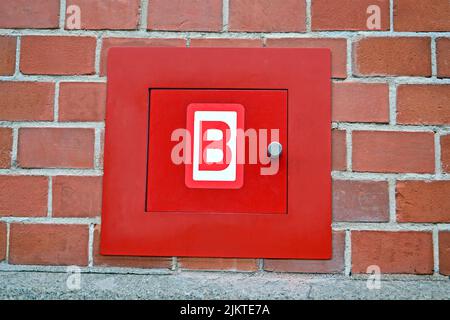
192, 163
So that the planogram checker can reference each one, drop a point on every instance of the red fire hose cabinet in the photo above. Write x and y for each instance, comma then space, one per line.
218, 152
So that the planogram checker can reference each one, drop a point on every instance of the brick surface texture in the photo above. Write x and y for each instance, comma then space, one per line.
390, 123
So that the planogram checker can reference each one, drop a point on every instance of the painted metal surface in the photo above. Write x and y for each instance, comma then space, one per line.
264, 109
302, 231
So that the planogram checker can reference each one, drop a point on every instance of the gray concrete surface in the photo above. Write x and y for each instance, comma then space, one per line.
215, 285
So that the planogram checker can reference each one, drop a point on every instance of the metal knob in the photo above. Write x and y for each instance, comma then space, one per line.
274, 150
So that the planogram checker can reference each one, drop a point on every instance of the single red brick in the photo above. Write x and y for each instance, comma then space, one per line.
360, 102
230, 264
82, 101
77, 196
444, 253
49, 244
360, 201
430, 15
107, 14
135, 42
347, 14
443, 57
7, 55
393, 252
386, 151
338, 50
423, 104
423, 201
339, 150
181, 15
126, 261
267, 15
395, 56
335, 265
26, 101
445, 153
56, 148
36, 14
5, 147
57, 55
219, 42
23, 196
3, 238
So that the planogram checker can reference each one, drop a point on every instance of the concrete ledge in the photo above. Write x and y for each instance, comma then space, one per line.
215, 285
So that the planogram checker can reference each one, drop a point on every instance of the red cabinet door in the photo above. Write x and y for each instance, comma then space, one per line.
262, 191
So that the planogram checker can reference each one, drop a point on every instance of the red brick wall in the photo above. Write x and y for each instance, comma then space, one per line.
390, 110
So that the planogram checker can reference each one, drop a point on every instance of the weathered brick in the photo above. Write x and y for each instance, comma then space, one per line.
36, 14
7, 55
49, 244
181, 15
230, 264
107, 14
3, 241
82, 101
58, 55
423, 201
56, 148
5, 147
445, 153
444, 252
77, 196
134, 42
413, 15
360, 102
386, 151
218, 42
392, 56
443, 57
423, 104
23, 101
394, 252
23, 196
338, 48
126, 261
267, 15
338, 150
334, 265
360, 201
346, 14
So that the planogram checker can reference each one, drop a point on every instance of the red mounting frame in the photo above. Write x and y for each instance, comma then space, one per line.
304, 232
